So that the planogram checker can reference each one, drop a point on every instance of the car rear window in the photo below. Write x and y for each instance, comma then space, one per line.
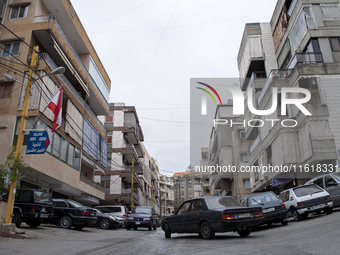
109, 209
218, 202
263, 198
22, 196
306, 190
42, 197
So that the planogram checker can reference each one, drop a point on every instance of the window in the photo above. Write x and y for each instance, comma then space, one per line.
319, 182
70, 155
247, 183
329, 181
5, 90
56, 145
18, 12
2, 9
108, 124
63, 150
285, 56
76, 162
335, 44
242, 134
10, 49
282, 196
244, 157
184, 208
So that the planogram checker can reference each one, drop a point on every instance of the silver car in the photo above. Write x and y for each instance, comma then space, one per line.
120, 211
331, 183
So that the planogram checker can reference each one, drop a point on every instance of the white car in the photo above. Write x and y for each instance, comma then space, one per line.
306, 199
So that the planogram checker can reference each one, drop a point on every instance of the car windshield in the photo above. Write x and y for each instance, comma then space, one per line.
219, 202
306, 190
41, 196
263, 198
143, 210
337, 176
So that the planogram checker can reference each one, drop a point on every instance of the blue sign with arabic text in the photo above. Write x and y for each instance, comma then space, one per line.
38, 142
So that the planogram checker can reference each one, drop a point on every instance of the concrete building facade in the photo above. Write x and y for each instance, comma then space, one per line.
78, 147
306, 47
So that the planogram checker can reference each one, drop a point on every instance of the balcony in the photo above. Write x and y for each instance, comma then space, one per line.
129, 152
128, 192
92, 183
305, 57
254, 145
59, 47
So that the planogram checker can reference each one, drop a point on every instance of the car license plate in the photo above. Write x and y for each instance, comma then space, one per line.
272, 209
43, 209
43, 216
137, 223
317, 206
243, 215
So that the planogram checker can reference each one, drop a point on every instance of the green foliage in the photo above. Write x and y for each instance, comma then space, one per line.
7, 174
155, 162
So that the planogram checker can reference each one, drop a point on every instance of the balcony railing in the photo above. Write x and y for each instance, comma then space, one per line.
94, 116
128, 191
274, 74
92, 183
254, 75
305, 57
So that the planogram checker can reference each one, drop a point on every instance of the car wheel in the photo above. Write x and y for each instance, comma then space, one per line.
244, 232
66, 221
296, 215
16, 219
206, 231
150, 228
167, 230
33, 224
284, 222
328, 210
79, 227
155, 227
135, 228
104, 224
269, 223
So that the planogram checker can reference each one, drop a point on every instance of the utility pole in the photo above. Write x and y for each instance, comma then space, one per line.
21, 133
152, 193
132, 175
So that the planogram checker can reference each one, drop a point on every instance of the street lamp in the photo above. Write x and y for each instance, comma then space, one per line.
24, 115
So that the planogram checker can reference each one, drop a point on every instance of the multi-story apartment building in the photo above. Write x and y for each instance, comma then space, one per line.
228, 152
78, 147
204, 163
126, 151
166, 191
303, 39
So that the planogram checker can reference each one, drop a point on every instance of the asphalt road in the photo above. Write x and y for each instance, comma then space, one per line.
316, 235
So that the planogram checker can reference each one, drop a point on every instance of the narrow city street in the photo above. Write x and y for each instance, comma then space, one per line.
316, 235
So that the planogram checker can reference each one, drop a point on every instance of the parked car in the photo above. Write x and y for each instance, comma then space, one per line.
208, 215
273, 209
306, 199
68, 213
31, 206
106, 221
120, 211
330, 183
142, 216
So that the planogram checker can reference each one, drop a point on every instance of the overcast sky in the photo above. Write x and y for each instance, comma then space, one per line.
151, 49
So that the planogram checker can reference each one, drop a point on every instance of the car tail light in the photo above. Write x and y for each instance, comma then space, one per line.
329, 197
283, 205
258, 214
124, 216
32, 208
299, 204
86, 213
229, 216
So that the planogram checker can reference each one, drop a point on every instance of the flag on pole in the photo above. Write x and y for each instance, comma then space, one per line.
55, 106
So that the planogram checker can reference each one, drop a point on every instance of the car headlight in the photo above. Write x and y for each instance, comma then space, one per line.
130, 218
146, 219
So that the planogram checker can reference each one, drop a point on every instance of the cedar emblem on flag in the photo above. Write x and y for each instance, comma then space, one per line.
55, 106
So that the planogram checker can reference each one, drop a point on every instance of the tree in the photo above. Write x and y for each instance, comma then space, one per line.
6, 170
155, 162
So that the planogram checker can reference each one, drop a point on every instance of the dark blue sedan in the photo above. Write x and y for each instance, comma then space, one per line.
208, 215
142, 217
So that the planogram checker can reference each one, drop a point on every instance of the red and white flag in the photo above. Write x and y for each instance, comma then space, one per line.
55, 105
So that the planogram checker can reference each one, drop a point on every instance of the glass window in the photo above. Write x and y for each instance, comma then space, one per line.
5, 90
184, 208
56, 145
11, 49
329, 181
282, 196
76, 162
335, 43
18, 12
306, 190
319, 182
63, 150
263, 198
196, 205
59, 204
70, 155
337, 176
247, 183
219, 202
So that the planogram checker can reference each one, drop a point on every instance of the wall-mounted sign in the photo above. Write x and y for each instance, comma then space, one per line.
38, 142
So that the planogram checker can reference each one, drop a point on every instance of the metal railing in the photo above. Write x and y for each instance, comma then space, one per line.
92, 183
305, 57
94, 116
